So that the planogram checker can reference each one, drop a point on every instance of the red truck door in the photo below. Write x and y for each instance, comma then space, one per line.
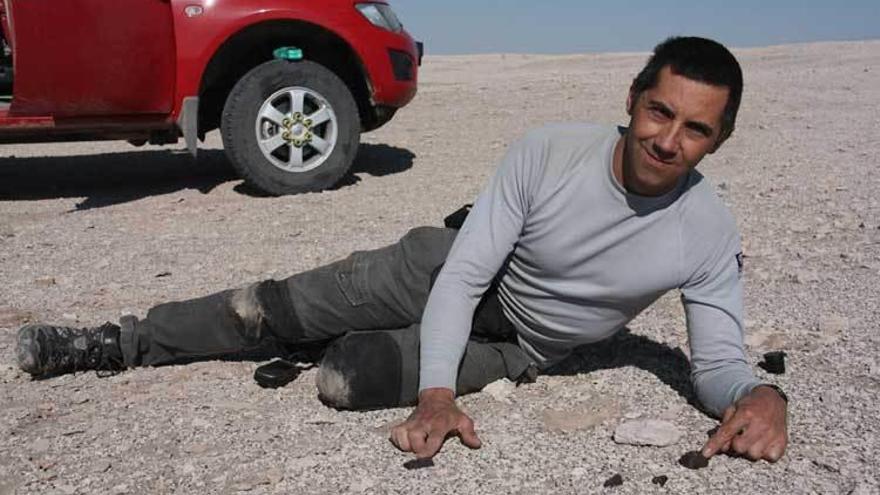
82, 58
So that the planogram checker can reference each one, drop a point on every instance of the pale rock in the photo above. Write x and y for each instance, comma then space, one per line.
671, 414
274, 475
40, 445
578, 472
45, 282
799, 227
764, 338
197, 448
362, 485
873, 368
100, 466
200, 423
500, 390
302, 464
833, 325
654, 432
249, 482
805, 277
862, 488
579, 419
262, 437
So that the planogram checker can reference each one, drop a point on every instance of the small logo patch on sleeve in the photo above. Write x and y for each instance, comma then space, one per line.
739, 263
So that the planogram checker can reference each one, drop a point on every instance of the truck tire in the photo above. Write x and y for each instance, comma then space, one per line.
290, 127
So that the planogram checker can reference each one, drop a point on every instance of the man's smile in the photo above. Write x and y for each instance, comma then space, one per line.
654, 159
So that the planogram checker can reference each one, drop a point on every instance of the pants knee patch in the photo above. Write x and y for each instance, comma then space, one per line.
265, 307
334, 388
247, 308
361, 370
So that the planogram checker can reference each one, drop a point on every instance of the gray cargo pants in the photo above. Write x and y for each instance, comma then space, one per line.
365, 308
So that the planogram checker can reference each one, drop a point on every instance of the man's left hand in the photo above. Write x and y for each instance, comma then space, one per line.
754, 427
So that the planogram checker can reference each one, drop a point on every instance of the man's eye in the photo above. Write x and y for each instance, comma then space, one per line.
657, 113
695, 133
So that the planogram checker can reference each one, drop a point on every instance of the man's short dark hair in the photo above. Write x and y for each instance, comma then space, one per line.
698, 59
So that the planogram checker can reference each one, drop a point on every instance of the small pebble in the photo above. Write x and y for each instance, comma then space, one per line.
615, 480
660, 480
693, 460
774, 362
418, 464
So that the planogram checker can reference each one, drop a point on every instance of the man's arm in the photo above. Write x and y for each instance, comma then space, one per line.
753, 416
487, 237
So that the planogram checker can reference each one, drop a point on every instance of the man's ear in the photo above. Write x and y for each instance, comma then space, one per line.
630, 100
721, 138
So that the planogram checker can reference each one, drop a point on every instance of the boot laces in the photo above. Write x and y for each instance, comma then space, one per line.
64, 353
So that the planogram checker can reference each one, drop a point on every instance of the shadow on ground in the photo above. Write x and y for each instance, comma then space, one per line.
670, 366
113, 178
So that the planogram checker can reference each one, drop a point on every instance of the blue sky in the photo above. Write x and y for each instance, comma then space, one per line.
569, 26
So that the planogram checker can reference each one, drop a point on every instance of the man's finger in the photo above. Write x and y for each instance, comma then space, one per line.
725, 447
752, 441
756, 450
399, 438
728, 413
416, 439
725, 433
468, 435
432, 445
774, 452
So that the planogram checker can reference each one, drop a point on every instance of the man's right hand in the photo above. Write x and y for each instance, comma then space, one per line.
433, 420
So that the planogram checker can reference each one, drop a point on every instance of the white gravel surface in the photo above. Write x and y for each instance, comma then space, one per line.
89, 231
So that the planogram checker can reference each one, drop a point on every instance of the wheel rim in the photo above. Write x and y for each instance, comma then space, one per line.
296, 129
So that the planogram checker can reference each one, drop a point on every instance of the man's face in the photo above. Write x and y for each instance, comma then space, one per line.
672, 127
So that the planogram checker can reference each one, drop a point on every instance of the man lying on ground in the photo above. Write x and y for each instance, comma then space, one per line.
581, 228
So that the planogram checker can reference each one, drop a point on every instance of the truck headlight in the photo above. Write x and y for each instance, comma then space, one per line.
380, 15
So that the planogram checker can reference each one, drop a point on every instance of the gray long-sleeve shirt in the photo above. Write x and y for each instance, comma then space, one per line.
578, 257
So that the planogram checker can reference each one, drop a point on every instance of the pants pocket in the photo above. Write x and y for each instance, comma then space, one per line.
351, 278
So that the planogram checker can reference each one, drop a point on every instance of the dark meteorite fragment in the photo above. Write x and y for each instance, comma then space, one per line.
774, 362
418, 464
693, 460
615, 480
660, 480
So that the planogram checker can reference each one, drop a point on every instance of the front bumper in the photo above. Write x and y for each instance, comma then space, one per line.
394, 71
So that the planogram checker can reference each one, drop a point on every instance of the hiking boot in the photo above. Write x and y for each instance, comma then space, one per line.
46, 350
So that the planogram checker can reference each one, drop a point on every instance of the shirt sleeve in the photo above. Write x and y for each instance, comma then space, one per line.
713, 303
481, 247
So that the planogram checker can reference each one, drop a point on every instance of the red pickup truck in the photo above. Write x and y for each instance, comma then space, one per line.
291, 84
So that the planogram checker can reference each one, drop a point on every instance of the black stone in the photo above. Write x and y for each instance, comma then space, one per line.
615, 480
774, 362
418, 464
660, 480
693, 460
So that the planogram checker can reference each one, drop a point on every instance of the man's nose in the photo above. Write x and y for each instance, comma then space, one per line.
666, 143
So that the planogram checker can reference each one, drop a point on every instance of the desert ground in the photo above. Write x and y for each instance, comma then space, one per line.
92, 231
